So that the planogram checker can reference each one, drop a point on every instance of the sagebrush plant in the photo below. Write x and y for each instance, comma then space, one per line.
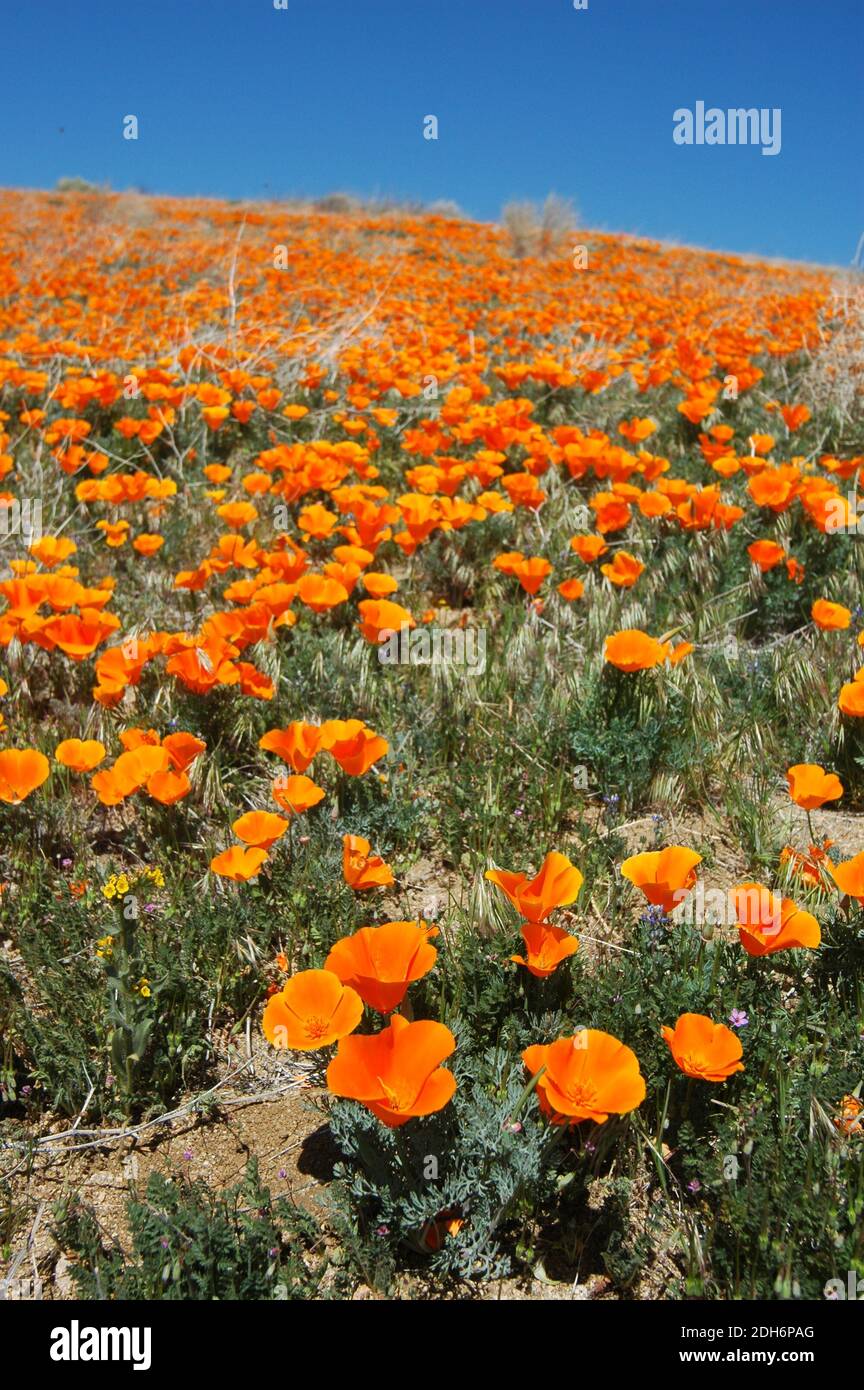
203, 754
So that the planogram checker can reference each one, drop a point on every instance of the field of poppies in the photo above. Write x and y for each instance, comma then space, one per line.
432, 707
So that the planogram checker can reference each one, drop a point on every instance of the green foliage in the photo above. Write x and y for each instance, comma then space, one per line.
190, 1242
482, 1162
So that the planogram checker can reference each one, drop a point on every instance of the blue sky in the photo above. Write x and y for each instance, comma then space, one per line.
235, 98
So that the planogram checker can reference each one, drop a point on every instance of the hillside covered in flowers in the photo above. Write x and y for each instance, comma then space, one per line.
432, 696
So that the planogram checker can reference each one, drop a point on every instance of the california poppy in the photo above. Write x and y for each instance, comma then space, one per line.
396, 1073
830, 617
239, 863
556, 885
571, 589
361, 869
381, 962
297, 794
849, 877
260, 828
320, 593
768, 923
811, 786
624, 570
312, 1010
183, 749
545, 948
379, 585
633, 650
851, 698
664, 876
589, 547
766, 554
136, 766
703, 1049
381, 618
110, 790
297, 744
589, 1076
80, 755
22, 770
168, 787
531, 572
354, 746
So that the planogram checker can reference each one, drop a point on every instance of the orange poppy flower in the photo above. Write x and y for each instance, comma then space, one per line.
761, 443
703, 1049
637, 429
202, 668
795, 416
624, 570
320, 593
317, 521
297, 744
664, 876
168, 787
589, 548
52, 550
830, 617
136, 766
811, 786
507, 561
353, 745
379, 585
545, 948
850, 1121
236, 515
851, 698
531, 572
115, 532
147, 543
238, 863
396, 1073
183, 749
381, 962
434, 1233
312, 1010
808, 866
589, 1076
678, 653
360, 869
556, 885
768, 923
297, 794
795, 571
138, 738
22, 770
76, 637
259, 828
611, 513
80, 755
109, 789
633, 650
381, 618
571, 589
849, 877
766, 554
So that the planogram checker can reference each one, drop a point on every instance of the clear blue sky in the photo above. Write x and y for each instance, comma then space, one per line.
237, 99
